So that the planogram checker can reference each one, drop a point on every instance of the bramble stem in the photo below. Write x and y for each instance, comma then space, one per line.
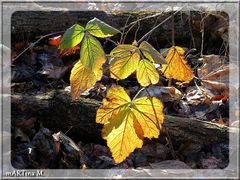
153, 29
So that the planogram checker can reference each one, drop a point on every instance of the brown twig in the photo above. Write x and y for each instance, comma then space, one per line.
148, 17
153, 29
135, 35
202, 31
191, 32
173, 31
153, 26
124, 28
110, 40
128, 32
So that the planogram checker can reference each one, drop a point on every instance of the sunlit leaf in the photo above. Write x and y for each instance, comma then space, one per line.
72, 37
125, 61
149, 113
55, 41
177, 67
127, 122
121, 135
92, 54
151, 53
100, 29
81, 79
112, 104
146, 73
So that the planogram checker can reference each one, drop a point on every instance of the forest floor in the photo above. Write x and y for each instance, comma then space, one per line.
43, 68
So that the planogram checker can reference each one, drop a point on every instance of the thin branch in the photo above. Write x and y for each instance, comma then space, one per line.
148, 17
68, 130
128, 32
124, 28
110, 40
153, 29
190, 28
202, 30
173, 31
135, 35
153, 26
34, 43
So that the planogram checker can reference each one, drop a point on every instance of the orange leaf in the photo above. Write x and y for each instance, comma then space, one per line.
70, 51
177, 67
55, 41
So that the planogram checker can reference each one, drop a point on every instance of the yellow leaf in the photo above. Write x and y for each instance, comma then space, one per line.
125, 61
121, 135
116, 98
99, 73
146, 73
92, 54
177, 67
81, 79
148, 112
127, 122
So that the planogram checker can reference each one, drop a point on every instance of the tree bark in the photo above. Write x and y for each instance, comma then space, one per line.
58, 112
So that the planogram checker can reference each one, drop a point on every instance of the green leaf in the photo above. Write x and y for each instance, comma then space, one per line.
92, 54
100, 29
125, 61
146, 73
72, 37
151, 53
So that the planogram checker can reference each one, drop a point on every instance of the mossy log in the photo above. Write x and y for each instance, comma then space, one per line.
58, 112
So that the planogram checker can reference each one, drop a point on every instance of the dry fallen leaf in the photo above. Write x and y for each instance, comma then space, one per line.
177, 67
216, 88
127, 122
166, 94
214, 75
198, 95
214, 68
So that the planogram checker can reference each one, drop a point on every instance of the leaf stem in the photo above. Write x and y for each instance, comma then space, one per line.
138, 94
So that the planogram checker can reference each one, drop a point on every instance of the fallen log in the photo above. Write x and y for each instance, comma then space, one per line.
58, 112
32, 24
